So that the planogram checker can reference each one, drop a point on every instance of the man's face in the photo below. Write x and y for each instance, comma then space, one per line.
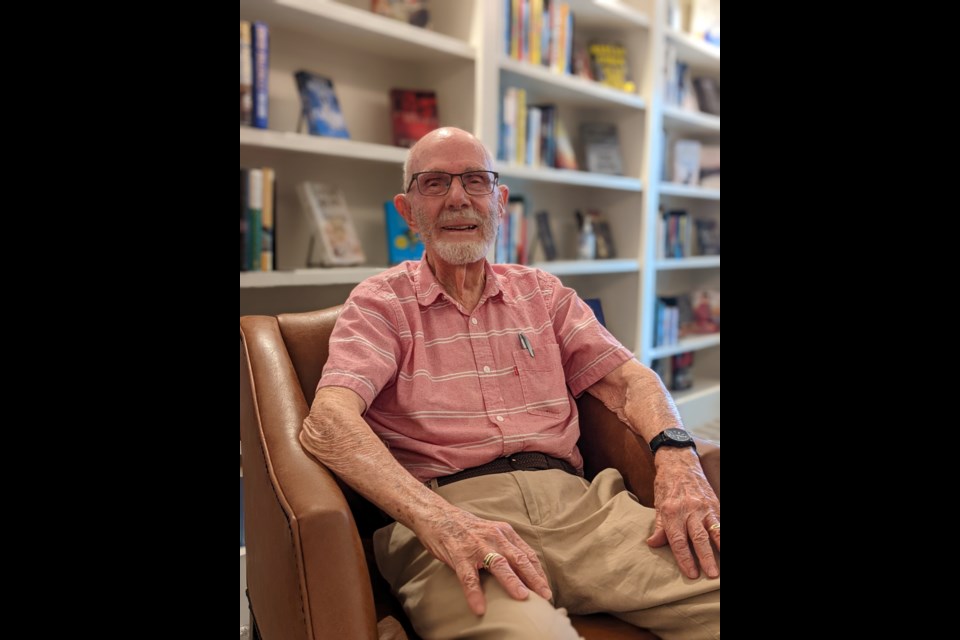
456, 228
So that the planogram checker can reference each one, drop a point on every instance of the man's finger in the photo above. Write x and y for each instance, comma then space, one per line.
470, 583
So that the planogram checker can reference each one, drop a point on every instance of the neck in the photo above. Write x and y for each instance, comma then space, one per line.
463, 282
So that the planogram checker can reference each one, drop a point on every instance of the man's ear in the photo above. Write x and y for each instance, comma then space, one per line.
403, 206
503, 196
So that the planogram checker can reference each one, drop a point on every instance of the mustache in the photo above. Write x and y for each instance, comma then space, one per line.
469, 215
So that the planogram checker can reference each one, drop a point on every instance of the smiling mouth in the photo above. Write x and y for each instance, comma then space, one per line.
465, 227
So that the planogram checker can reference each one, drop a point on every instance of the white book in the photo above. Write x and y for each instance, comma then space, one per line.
335, 242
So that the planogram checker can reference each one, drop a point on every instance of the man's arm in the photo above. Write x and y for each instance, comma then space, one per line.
337, 435
688, 510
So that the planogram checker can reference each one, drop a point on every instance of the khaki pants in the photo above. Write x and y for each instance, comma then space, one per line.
591, 543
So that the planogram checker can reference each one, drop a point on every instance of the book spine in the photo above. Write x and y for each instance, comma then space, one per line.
267, 250
246, 75
244, 178
261, 74
255, 218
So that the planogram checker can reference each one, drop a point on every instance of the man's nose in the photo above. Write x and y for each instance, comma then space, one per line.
457, 194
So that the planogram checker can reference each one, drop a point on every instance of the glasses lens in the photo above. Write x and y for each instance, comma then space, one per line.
434, 184
478, 183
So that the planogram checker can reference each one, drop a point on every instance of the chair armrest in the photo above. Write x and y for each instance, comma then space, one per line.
606, 442
306, 570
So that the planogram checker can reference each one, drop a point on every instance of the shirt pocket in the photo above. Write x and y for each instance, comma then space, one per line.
542, 381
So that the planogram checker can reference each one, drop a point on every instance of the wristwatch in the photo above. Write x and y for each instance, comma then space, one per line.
672, 438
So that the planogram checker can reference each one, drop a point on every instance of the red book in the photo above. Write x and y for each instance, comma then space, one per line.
414, 114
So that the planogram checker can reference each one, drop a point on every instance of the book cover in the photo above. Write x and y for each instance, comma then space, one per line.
708, 236
414, 114
708, 94
608, 62
686, 162
594, 304
605, 246
415, 12
710, 166
402, 243
320, 107
705, 304
261, 74
545, 235
682, 371
601, 146
335, 242
246, 74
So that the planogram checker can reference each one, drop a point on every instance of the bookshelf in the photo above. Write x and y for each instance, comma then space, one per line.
699, 405
463, 59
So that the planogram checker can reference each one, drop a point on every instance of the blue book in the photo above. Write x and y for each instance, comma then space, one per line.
594, 303
402, 243
261, 74
320, 105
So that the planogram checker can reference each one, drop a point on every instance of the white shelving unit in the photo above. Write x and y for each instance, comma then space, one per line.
462, 59
700, 404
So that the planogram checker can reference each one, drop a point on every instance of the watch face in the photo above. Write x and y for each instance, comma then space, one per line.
677, 434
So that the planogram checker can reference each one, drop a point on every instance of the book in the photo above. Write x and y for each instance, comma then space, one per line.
415, 12
594, 304
605, 247
708, 236
710, 166
686, 162
254, 218
608, 63
402, 243
246, 74
708, 94
244, 178
705, 304
682, 371
319, 105
601, 147
545, 235
335, 241
268, 221
261, 74
413, 114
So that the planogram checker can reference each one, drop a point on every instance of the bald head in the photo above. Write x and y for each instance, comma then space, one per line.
437, 140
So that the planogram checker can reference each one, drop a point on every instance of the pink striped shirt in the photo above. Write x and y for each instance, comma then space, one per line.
446, 390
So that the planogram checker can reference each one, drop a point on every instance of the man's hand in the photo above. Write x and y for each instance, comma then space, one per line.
688, 511
461, 540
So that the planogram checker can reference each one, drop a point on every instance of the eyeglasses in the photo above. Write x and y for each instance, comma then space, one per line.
437, 183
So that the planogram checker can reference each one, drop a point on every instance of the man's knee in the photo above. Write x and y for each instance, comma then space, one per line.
530, 619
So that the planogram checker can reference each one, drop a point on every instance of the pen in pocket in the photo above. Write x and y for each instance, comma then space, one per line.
526, 345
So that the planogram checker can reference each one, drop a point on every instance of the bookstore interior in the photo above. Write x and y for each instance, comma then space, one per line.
604, 120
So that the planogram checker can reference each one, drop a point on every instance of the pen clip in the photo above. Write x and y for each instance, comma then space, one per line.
526, 345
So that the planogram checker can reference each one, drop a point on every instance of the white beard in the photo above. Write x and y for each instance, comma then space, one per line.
459, 253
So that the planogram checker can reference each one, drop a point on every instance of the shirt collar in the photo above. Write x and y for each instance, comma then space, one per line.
429, 289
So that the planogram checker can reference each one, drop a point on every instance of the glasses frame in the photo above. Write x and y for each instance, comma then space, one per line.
414, 179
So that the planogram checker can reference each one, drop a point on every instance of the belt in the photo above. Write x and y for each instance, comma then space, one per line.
526, 461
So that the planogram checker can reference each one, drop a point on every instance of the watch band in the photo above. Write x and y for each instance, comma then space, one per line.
667, 439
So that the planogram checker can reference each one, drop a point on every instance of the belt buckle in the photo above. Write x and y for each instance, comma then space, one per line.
539, 462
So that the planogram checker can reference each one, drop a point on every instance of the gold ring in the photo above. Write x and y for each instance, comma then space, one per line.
714, 526
489, 558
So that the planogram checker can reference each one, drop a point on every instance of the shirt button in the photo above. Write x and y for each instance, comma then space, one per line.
486, 369
473, 320
499, 418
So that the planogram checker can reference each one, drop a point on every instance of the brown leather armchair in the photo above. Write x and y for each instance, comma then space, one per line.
310, 570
